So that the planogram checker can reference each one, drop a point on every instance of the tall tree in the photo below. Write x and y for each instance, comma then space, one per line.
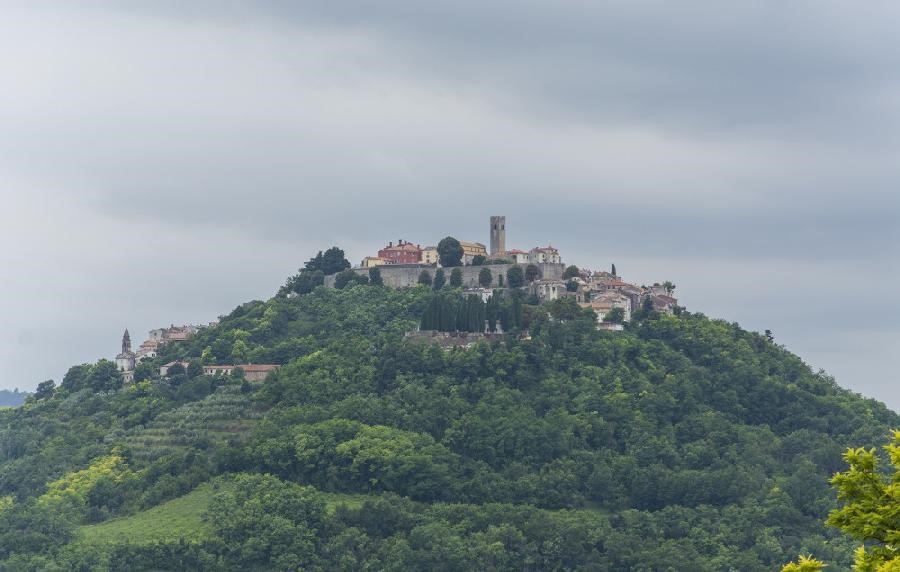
45, 389
375, 278
485, 277
439, 279
614, 270
515, 277
450, 252
425, 278
532, 272
571, 272
456, 277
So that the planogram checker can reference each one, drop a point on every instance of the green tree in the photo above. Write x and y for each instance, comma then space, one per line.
669, 287
450, 252
330, 262
45, 389
194, 369
105, 376
425, 278
440, 279
515, 277
571, 286
375, 278
456, 278
306, 281
478, 260
349, 277
870, 512
615, 315
485, 277
571, 272
532, 272
613, 272
265, 523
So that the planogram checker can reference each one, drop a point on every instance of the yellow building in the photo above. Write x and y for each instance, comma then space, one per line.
429, 255
373, 261
471, 249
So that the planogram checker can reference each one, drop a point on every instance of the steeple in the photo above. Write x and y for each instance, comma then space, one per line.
126, 342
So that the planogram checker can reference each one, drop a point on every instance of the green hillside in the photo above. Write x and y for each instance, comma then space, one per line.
681, 443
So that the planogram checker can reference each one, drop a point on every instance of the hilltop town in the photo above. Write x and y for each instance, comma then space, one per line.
537, 276
483, 270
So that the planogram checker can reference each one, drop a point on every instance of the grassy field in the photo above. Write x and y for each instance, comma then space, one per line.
177, 518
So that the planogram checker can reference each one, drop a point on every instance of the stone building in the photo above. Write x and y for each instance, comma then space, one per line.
544, 255
498, 235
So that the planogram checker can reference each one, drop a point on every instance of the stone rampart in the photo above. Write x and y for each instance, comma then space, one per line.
407, 275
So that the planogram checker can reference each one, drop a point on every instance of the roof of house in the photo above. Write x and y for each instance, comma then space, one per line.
515, 251
405, 247
547, 248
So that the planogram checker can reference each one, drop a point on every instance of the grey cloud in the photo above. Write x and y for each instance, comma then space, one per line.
746, 152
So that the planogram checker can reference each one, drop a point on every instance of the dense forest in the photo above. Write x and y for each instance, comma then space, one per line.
680, 443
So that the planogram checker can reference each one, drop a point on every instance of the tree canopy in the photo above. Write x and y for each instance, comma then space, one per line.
450, 252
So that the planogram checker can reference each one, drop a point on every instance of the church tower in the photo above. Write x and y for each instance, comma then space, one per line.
125, 361
498, 235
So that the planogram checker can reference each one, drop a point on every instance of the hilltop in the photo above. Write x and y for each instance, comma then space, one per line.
678, 442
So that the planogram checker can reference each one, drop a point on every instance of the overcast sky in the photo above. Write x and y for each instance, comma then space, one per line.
162, 162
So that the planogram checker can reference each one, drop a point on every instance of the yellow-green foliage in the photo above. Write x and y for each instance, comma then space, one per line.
870, 512
6, 502
805, 564
73, 488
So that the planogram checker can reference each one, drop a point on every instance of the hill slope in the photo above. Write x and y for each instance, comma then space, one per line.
680, 443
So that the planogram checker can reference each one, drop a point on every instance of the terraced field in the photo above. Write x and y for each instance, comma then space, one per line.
225, 415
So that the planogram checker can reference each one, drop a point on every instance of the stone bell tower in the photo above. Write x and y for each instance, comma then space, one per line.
125, 361
498, 235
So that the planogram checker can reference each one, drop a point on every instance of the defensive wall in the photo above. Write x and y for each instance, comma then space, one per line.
407, 275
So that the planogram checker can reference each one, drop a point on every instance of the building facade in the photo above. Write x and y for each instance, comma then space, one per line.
471, 250
401, 253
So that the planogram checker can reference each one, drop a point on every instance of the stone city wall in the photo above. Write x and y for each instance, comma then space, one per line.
407, 275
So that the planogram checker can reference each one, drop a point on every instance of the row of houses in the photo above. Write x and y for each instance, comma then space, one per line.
405, 252
600, 291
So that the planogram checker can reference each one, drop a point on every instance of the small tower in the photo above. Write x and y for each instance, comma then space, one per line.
498, 235
125, 361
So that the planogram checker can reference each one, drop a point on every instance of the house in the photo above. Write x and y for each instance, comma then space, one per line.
517, 256
252, 372
663, 303
430, 255
544, 255
164, 369
471, 250
401, 253
548, 290
373, 261
604, 304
